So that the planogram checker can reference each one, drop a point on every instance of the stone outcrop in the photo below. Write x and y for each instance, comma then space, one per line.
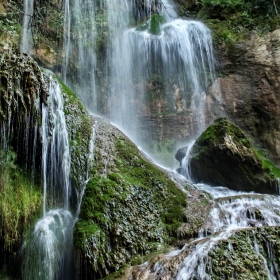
224, 156
250, 89
129, 205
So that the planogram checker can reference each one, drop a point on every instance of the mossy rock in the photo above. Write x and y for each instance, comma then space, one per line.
247, 254
223, 155
129, 206
155, 24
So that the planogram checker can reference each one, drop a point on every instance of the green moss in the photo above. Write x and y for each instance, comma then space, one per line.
117, 275
149, 176
268, 164
214, 134
155, 24
242, 261
71, 95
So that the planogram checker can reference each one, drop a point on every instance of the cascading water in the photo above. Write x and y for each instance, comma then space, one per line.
45, 250
26, 41
234, 211
172, 53
79, 22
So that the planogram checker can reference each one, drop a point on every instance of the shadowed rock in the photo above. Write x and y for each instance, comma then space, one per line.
223, 155
181, 153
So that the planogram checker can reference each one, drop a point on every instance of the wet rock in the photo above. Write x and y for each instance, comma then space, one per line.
223, 155
250, 89
181, 153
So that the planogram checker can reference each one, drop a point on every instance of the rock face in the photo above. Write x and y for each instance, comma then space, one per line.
224, 156
250, 88
130, 208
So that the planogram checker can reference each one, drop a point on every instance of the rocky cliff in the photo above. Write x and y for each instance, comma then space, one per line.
250, 89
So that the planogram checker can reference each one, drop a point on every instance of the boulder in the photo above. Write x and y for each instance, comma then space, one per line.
223, 155
181, 153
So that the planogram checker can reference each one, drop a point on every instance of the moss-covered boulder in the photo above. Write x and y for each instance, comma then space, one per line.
130, 207
223, 155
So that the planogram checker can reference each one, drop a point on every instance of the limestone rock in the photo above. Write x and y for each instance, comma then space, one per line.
129, 205
224, 156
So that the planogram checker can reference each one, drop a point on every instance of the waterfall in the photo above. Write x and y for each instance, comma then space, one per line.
26, 40
46, 247
163, 58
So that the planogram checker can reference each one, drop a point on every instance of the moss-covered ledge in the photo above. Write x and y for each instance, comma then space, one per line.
130, 207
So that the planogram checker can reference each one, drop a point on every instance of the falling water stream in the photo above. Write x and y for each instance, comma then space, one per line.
26, 41
47, 245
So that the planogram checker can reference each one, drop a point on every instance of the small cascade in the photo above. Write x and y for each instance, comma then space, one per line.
47, 245
45, 249
185, 168
56, 153
26, 41
233, 214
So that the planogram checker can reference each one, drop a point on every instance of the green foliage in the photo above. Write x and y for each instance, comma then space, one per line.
9, 29
233, 4
19, 199
232, 20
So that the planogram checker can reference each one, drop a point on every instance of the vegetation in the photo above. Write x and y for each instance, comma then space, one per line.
155, 23
237, 257
20, 199
223, 155
268, 164
232, 20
